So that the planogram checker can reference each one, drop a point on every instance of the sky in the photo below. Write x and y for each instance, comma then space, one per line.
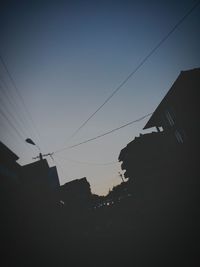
67, 57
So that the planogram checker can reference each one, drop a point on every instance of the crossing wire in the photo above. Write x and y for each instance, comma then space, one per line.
104, 134
158, 45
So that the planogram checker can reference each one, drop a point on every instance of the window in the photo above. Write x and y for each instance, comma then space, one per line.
179, 137
169, 118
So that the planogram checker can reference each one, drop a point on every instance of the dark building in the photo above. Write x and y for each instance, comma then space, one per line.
178, 111
9, 179
177, 137
53, 178
28, 209
11, 206
165, 173
147, 153
34, 175
9, 168
38, 175
75, 194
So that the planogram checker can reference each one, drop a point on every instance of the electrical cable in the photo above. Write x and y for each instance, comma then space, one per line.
12, 125
89, 163
138, 67
60, 167
11, 101
14, 119
28, 114
101, 135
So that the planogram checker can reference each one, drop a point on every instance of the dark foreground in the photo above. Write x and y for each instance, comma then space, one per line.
157, 225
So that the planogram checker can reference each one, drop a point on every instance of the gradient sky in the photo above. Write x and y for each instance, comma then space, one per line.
66, 58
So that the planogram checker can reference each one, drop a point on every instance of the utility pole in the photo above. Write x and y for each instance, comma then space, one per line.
40, 157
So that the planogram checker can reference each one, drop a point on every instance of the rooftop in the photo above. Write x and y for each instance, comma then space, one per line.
185, 90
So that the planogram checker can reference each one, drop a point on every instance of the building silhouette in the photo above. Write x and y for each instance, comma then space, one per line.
177, 137
164, 170
177, 112
38, 175
76, 194
151, 219
9, 168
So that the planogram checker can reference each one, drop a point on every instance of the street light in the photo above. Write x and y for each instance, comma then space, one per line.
30, 141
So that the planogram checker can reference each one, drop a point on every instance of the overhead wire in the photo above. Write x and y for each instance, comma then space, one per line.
20, 135
152, 51
88, 163
104, 134
107, 100
15, 116
16, 122
28, 114
11, 101
60, 166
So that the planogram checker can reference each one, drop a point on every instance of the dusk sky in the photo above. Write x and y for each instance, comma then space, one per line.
67, 57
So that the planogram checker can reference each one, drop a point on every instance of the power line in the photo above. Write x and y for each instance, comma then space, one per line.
60, 167
12, 125
101, 135
14, 119
11, 101
20, 97
138, 67
90, 163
